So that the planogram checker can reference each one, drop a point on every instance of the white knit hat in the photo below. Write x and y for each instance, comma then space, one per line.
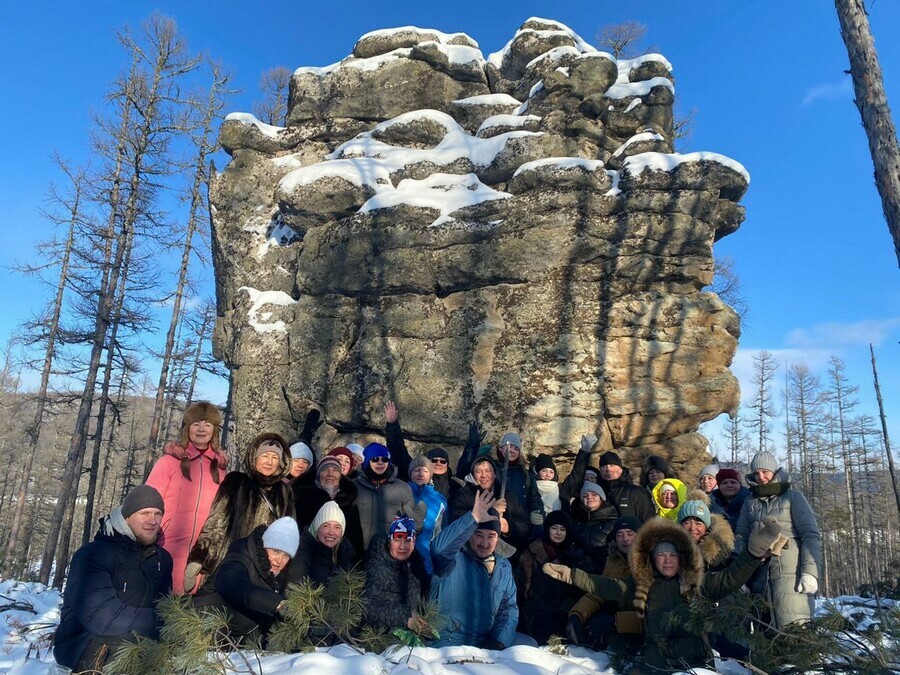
330, 512
301, 450
282, 535
709, 470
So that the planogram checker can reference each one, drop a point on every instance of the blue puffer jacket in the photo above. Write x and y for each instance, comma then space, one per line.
480, 609
434, 520
112, 589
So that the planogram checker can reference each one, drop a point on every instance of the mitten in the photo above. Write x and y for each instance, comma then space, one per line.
763, 536
807, 584
537, 518
558, 572
190, 576
575, 631
588, 441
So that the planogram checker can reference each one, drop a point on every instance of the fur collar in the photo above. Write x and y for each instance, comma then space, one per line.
642, 569
718, 543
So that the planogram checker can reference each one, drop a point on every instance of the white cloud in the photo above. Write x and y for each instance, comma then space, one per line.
841, 90
833, 334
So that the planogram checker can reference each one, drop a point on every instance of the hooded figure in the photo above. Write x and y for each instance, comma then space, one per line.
246, 499
667, 570
668, 496
547, 601
653, 469
188, 476
114, 584
789, 581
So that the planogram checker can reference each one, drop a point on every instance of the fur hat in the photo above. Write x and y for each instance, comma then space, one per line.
611, 458
544, 461
511, 438
142, 497
301, 450
652, 533
374, 450
329, 513
559, 518
726, 474
709, 470
282, 535
326, 461
592, 487
764, 460
201, 410
418, 463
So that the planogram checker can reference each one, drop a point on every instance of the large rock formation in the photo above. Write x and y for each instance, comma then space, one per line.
509, 239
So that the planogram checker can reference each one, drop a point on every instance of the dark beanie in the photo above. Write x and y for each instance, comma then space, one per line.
142, 497
609, 457
494, 524
438, 453
559, 518
544, 461
626, 523
656, 462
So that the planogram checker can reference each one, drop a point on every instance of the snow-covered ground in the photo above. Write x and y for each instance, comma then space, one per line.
29, 613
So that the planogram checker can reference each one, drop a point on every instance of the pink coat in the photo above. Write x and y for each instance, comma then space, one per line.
187, 501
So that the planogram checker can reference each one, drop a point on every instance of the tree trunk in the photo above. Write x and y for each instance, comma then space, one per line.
871, 99
884, 431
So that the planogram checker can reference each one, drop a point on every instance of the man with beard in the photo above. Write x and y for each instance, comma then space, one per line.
114, 583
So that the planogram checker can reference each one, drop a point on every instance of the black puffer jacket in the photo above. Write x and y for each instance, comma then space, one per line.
245, 500
394, 588
245, 586
591, 530
112, 589
308, 499
317, 561
629, 499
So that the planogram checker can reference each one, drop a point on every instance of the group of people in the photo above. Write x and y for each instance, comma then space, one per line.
509, 553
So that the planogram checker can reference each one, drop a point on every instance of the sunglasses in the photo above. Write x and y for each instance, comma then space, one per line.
380, 460
400, 536
438, 461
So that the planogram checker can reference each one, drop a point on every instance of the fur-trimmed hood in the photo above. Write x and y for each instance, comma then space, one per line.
284, 467
644, 572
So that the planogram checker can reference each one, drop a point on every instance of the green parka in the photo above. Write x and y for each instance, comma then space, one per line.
668, 648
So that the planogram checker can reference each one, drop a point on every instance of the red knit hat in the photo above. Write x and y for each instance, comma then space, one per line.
725, 474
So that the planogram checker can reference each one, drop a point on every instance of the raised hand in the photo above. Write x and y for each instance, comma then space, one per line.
476, 435
483, 502
588, 441
391, 413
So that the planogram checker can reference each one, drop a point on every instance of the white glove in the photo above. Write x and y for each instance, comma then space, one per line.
558, 572
807, 584
588, 441
537, 518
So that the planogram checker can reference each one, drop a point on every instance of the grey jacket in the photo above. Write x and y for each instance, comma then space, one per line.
378, 504
777, 580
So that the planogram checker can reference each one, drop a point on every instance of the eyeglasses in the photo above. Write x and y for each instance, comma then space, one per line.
380, 460
437, 460
401, 536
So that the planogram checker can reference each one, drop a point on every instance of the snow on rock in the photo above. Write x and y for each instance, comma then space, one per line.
488, 99
560, 164
638, 138
443, 192
364, 64
627, 65
360, 171
634, 104
259, 299
658, 161
458, 54
456, 144
423, 34
627, 89
507, 121
615, 190
555, 54
581, 45
247, 118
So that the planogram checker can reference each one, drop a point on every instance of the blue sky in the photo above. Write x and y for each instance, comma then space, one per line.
766, 79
